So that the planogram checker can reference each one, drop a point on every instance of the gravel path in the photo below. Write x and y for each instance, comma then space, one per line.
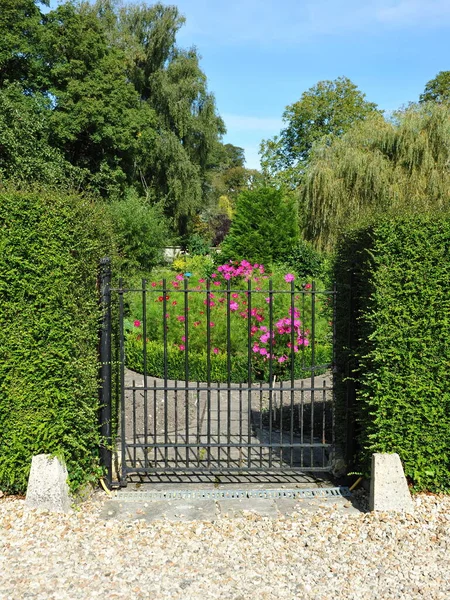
322, 554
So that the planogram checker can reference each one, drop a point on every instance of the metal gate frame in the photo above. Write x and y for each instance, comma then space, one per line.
209, 440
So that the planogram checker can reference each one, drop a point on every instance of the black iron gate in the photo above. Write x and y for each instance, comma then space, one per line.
243, 386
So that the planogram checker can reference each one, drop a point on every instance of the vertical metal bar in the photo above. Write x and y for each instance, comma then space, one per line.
135, 436
208, 369
260, 424
303, 316
155, 430
301, 419
313, 361
186, 365
198, 423
228, 374
333, 381
249, 371
123, 476
270, 371
324, 400
281, 423
144, 350
240, 424
105, 413
291, 433
165, 326
218, 423
176, 422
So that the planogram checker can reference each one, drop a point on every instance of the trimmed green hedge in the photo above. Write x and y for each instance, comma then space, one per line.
50, 245
219, 371
393, 334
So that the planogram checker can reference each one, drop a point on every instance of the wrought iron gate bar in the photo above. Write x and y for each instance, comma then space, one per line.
225, 445
234, 387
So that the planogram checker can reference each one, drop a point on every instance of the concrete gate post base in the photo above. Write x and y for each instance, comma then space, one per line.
47, 485
388, 487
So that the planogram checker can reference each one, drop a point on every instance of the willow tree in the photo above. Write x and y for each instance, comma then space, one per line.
378, 167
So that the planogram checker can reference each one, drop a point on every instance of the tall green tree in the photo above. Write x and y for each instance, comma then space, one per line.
173, 159
126, 106
378, 167
20, 22
264, 228
437, 89
328, 109
26, 154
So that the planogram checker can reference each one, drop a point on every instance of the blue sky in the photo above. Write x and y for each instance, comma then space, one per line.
261, 55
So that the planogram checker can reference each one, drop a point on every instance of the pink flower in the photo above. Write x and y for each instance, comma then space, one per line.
180, 318
174, 303
179, 277
268, 300
282, 359
255, 348
211, 324
213, 275
201, 281
234, 306
181, 347
216, 350
289, 277
175, 284
137, 323
262, 351
154, 284
308, 286
183, 338
235, 295
216, 282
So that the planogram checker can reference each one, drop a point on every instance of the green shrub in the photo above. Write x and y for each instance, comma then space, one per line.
394, 343
305, 261
50, 245
198, 363
141, 231
264, 228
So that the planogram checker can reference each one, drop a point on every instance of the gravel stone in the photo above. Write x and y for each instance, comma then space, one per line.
325, 554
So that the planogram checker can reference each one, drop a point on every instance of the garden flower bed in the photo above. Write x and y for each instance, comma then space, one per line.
238, 324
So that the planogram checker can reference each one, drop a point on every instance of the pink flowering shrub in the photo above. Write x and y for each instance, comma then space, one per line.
270, 324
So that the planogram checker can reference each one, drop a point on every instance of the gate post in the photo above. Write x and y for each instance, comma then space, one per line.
350, 385
104, 281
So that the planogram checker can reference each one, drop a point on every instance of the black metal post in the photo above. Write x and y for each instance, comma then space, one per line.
104, 281
350, 376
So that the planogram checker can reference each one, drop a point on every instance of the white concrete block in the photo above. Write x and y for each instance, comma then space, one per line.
388, 487
47, 485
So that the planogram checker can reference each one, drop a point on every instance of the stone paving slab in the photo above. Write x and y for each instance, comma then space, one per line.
174, 510
201, 509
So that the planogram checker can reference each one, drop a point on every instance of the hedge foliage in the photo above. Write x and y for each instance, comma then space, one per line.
393, 333
219, 366
50, 245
